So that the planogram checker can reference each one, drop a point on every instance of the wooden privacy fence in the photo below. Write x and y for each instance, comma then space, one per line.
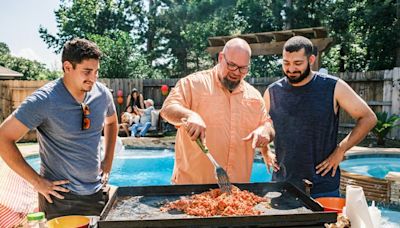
150, 88
12, 93
380, 89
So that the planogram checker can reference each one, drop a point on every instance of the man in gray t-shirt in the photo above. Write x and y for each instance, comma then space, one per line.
69, 115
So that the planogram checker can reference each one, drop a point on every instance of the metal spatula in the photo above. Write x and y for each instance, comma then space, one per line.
222, 177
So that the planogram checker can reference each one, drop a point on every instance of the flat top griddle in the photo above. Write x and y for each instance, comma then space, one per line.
140, 207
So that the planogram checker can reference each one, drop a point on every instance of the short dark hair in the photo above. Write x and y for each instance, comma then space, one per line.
78, 49
296, 43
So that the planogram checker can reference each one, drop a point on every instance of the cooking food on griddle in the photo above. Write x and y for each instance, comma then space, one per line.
214, 202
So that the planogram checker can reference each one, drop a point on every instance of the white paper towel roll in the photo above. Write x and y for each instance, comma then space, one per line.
375, 214
357, 207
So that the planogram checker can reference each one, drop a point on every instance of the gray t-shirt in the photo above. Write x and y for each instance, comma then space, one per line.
66, 151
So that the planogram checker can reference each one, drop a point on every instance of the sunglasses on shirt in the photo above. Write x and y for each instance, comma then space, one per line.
85, 118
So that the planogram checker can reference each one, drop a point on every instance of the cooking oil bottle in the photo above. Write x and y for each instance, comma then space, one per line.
37, 220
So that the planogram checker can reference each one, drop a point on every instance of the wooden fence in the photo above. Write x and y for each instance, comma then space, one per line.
12, 93
380, 89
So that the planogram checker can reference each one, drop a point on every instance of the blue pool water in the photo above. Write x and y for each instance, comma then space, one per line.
154, 167
372, 165
151, 167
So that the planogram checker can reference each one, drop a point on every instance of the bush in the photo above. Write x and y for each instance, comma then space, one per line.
384, 125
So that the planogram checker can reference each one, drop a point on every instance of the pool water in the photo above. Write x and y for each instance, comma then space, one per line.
154, 167
151, 167
372, 166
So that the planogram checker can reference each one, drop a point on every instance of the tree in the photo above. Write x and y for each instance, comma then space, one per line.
116, 47
380, 34
4, 49
364, 39
80, 18
31, 70
107, 22
258, 16
169, 37
182, 28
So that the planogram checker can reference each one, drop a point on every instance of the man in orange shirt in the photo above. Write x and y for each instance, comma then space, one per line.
227, 113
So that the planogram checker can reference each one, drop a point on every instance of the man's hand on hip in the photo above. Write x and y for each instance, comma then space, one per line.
47, 188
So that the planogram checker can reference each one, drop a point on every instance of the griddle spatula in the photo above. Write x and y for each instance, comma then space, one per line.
222, 177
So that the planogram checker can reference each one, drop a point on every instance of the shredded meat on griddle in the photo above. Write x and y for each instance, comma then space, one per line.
214, 202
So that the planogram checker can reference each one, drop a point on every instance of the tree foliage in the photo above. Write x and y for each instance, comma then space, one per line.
31, 70
107, 22
168, 38
364, 39
4, 49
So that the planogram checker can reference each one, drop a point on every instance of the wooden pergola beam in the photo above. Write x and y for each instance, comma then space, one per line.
273, 48
271, 43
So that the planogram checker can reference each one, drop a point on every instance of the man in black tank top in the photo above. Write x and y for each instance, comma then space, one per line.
304, 106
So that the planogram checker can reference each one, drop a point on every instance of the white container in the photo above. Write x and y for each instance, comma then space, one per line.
36, 220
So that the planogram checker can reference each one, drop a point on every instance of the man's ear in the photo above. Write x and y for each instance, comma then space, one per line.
67, 66
311, 59
220, 56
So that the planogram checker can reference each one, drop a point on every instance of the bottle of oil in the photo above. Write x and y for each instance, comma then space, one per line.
36, 220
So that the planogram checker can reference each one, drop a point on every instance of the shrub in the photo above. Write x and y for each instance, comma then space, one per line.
384, 125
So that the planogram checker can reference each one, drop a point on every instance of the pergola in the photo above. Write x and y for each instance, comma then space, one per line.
271, 43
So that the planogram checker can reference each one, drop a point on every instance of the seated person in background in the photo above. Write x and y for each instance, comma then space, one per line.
135, 99
145, 119
127, 119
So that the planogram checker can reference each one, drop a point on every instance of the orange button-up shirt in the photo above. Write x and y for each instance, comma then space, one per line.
229, 117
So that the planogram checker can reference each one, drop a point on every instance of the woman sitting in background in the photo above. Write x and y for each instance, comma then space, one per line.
134, 99
127, 120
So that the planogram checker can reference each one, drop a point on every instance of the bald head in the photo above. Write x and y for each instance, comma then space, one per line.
237, 45
234, 62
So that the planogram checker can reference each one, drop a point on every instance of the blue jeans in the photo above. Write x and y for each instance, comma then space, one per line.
334, 193
144, 128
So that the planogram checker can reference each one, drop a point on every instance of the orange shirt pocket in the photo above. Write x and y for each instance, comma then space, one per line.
212, 110
250, 116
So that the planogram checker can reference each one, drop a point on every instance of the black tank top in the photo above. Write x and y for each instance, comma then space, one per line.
306, 130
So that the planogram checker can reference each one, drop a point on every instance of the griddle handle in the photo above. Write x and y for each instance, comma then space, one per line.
307, 186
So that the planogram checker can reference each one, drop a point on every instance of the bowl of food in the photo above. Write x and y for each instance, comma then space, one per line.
75, 221
332, 203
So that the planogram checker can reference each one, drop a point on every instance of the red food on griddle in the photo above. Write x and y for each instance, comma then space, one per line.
214, 202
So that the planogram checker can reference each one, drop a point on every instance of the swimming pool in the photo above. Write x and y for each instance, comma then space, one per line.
151, 167
372, 165
144, 167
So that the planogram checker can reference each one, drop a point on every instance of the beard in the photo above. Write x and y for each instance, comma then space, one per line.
301, 77
228, 84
